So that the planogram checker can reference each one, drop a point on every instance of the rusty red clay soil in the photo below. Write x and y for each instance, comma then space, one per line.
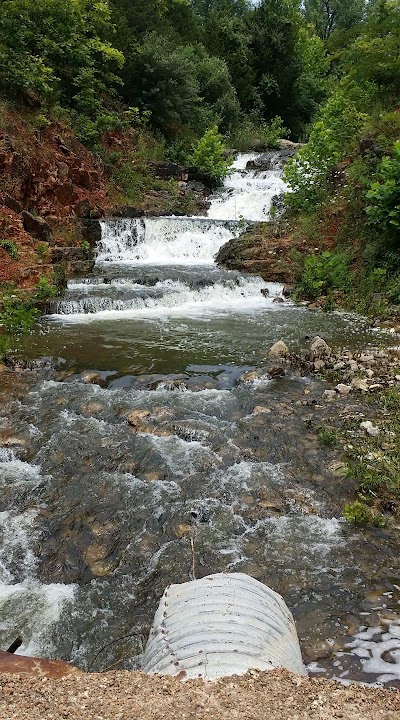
278, 695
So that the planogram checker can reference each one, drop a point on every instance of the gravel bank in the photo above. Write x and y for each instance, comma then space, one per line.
278, 695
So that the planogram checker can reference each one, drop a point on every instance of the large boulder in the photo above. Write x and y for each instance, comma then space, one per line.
319, 349
36, 226
278, 350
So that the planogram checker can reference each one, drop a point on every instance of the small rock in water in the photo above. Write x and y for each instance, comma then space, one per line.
369, 428
182, 529
136, 416
343, 389
260, 409
91, 377
278, 299
319, 349
278, 350
275, 371
265, 292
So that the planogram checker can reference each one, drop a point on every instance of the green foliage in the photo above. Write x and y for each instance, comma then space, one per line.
384, 197
357, 513
41, 250
44, 290
208, 155
273, 131
85, 245
327, 436
180, 85
329, 16
60, 52
323, 273
10, 247
332, 135
16, 316
372, 61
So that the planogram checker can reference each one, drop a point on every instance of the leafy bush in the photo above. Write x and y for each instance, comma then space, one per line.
44, 290
324, 273
208, 155
273, 131
16, 316
10, 247
357, 513
334, 132
60, 52
384, 197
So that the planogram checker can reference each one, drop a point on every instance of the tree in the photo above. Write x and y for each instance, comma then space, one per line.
335, 130
274, 28
61, 51
384, 197
180, 85
330, 15
373, 60
226, 34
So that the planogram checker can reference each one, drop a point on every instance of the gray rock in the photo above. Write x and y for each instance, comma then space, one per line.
13, 204
343, 389
319, 365
319, 349
329, 394
360, 384
369, 428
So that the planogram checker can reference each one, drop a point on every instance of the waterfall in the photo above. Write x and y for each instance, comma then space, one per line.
164, 240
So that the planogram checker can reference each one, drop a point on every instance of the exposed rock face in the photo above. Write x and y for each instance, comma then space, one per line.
12, 203
264, 249
36, 226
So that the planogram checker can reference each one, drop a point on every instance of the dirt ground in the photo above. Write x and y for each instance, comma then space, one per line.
278, 695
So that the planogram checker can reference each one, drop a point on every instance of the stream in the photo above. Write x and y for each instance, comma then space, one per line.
216, 470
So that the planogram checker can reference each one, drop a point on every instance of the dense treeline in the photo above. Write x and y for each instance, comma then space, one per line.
187, 65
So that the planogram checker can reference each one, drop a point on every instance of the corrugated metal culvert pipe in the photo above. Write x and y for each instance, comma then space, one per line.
223, 624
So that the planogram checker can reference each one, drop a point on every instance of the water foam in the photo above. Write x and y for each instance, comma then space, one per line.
28, 607
247, 194
176, 298
163, 240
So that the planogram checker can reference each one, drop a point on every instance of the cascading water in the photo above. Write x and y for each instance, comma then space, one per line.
159, 445
247, 193
163, 240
